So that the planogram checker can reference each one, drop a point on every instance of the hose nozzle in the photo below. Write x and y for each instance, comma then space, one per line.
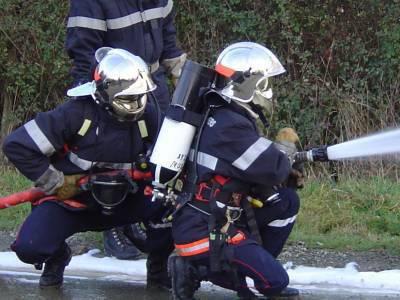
315, 154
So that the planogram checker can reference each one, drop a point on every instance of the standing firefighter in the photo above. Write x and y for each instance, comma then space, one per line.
103, 136
215, 232
147, 29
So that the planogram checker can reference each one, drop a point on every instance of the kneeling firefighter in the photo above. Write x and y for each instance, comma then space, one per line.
89, 157
228, 159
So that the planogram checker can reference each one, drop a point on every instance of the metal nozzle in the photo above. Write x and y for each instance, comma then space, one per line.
315, 154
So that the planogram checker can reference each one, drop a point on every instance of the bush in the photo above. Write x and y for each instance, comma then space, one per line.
342, 58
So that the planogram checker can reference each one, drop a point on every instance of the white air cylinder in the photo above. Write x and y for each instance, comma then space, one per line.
171, 150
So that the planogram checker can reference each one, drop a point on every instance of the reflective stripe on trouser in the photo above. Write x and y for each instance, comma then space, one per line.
203, 245
195, 248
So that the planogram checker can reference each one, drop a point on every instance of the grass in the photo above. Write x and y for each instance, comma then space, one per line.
11, 182
355, 214
12, 217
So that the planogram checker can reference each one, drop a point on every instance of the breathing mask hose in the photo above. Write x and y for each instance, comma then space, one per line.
158, 112
193, 175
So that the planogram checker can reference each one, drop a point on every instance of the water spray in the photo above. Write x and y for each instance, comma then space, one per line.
381, 143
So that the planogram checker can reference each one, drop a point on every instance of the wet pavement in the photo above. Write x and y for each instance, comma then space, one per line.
24, 286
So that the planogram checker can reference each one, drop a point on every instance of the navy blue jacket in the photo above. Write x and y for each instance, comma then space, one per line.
231, 146
106, 144
144, 28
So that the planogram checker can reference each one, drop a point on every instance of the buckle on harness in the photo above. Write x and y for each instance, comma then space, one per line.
204, 192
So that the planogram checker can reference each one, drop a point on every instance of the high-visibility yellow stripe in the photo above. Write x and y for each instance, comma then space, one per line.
143, 129
85, 127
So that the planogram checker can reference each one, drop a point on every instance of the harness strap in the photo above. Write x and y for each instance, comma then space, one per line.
251, 221
179, 114
68, 202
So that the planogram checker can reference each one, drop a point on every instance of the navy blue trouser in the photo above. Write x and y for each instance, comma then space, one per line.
276, 220
251, 260
50, 224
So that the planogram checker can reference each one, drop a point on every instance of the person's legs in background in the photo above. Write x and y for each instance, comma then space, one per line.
117, 244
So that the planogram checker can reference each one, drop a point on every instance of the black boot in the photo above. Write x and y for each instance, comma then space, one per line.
118, 245
185, 278
157, 272
287, 293
137, 235
53, 273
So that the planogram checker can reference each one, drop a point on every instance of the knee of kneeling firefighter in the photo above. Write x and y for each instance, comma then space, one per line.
28, 252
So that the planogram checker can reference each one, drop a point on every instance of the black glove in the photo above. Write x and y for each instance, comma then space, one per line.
296, 176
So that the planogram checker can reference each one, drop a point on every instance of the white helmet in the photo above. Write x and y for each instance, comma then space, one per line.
247, 66
121, 83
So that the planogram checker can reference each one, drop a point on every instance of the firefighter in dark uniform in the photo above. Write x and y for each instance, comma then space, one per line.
143, 27
213, 236
111, 129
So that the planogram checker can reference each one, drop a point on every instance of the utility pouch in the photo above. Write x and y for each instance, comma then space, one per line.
218, 243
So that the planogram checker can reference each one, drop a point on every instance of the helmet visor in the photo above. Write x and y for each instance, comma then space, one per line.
129, 107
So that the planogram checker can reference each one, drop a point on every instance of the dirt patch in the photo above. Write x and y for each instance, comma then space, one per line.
376, 261
297, 253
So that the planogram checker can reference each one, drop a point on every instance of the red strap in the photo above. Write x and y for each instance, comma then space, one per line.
70, 202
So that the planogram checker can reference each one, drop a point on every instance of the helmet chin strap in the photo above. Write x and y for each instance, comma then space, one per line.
248, 108
258, 110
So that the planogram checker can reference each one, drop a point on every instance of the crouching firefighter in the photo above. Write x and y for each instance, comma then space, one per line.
103, 134
228, 156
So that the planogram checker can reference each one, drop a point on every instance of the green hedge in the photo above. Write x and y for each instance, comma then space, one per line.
342, 58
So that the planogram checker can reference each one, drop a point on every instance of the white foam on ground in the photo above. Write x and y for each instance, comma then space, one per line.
347, 279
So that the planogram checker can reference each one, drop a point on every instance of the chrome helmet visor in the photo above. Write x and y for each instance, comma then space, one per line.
129, 107
121, 82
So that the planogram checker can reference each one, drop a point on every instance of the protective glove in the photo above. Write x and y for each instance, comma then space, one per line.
286, 140
174, 67
69, 188
50, 180
296, 178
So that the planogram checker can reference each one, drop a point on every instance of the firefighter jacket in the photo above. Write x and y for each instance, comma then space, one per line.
142, 27
230, 146
76, 137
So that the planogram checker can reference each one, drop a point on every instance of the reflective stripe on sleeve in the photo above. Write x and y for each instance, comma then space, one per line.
39, 138
252, 153
204, 159
282, 223
86, 22
87, 164
122, 22
195, 248
137, 17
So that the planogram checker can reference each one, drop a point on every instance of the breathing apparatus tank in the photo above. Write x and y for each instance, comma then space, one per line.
179, 126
